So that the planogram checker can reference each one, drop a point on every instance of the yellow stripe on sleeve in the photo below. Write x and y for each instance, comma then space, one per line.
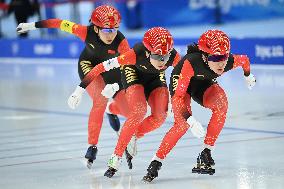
66, 26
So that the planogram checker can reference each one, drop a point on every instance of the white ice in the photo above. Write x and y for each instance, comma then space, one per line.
43, 142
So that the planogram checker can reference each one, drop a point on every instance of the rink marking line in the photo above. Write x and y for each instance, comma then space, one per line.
43, 161
63, 130
83, 130
75, 149
122, 118
102, 155
20, 117
84, 142
42, 111
254, 130
42, 153
42, 129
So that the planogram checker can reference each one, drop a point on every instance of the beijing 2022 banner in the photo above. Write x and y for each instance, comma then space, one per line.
186, 12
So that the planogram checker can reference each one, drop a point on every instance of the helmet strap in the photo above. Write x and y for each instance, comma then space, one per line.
205, 57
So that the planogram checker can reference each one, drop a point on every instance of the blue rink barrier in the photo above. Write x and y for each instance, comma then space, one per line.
259, 50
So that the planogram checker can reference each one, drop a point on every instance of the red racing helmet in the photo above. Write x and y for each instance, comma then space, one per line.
158, 40
106, 16
214, 42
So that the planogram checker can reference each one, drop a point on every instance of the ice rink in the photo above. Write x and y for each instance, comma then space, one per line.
43, 142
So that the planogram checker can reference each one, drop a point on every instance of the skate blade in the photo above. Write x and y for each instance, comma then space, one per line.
203, 171
89, 164
195, 170
129, 165
147, 180
128, 159
110, 172
129, 162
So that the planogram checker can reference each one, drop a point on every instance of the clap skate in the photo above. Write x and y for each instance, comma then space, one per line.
205, 163
153, 169
128, 159
110, 172
91, 155
113, 165
131, 151
113, 121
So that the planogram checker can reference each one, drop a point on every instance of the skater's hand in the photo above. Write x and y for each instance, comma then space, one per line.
75, 98
250, 80
25, 27
195, 127
110, 90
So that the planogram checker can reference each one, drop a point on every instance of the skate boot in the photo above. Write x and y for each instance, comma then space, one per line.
112, 118
91, 155
114, 121
205, 163
113, 165
153, 169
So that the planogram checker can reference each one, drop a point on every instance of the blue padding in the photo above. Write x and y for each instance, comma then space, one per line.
259, 50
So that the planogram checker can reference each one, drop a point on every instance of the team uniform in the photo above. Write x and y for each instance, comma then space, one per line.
192, 78
142, 83
95, 50
103, 18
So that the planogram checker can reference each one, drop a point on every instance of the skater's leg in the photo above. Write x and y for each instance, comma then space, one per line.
116, 107
95, 118
137, 110
119, 106
97, 111
215, 99
158, 101
91, 90
179, 128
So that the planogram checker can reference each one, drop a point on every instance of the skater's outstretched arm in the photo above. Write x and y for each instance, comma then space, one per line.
243, 61
127, 58
64, 25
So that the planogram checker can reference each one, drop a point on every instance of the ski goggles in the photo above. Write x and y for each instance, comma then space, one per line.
162, 58
218, 58
109, 30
